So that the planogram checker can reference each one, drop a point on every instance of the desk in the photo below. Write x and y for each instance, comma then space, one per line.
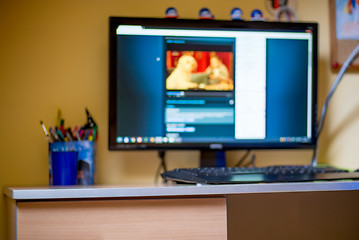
320, 210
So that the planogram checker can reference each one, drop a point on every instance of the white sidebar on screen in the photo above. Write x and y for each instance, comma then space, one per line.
250, 86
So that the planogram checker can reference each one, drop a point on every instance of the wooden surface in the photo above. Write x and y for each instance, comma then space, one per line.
295, 216
204, 218
296, 211
11, 218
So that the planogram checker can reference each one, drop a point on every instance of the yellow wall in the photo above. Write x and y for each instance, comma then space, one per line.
55, 54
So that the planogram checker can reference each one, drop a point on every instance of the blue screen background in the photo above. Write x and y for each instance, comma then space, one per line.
286, 93
140, 95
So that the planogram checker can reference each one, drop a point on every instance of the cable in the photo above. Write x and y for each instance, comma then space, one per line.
162, 154
354, 54
162, 165
240, 161
252, 162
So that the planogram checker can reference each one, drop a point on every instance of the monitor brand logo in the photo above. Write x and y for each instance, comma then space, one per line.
215, 146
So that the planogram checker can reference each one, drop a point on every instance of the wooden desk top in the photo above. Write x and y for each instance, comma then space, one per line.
97, 191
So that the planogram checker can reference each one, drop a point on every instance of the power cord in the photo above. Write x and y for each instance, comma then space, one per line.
161, 166
242, 159
354, 54
252, 162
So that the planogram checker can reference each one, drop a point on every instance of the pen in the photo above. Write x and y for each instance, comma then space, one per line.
59, 117
77, 135
70, 132
53, 134
68, 135
58, 133
46, 132
76, 128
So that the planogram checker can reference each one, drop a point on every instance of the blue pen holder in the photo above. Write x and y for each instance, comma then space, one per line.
64, 168
85, 163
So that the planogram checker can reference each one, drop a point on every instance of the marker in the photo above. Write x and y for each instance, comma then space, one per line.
46, 132
87, 133
94, 133
59, 133
62, 127
81, 132
90, 137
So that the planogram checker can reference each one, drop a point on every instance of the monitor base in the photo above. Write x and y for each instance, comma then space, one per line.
212, 158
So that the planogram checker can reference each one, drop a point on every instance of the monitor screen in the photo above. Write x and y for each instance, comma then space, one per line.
211, 84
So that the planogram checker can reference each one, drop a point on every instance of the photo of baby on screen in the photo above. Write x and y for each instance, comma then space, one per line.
199, 70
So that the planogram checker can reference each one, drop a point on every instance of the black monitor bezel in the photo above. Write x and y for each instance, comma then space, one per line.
208, 24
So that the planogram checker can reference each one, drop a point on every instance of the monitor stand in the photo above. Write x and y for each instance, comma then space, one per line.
212, 158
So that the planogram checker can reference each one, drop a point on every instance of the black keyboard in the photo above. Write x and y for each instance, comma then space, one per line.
229, 175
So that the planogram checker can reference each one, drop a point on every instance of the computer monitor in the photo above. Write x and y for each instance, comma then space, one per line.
211, 84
